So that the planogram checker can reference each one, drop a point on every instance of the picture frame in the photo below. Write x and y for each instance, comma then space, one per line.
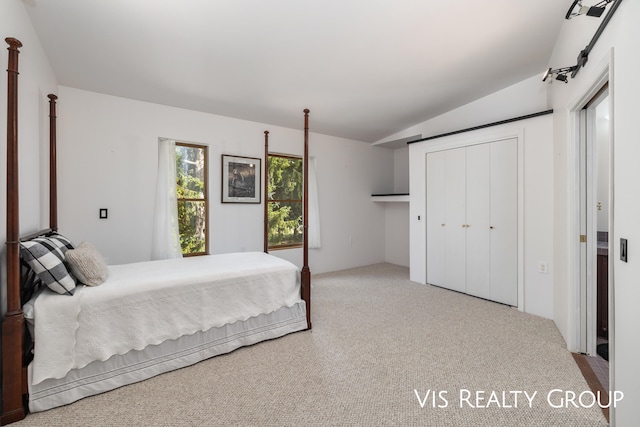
241, 179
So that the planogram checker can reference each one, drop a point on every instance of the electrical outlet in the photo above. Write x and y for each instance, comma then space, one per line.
542, 267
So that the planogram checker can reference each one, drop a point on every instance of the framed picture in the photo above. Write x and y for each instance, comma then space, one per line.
240, 179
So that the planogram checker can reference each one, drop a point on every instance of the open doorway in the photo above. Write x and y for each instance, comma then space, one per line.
595, 226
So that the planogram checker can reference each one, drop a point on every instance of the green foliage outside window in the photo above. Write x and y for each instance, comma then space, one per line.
191, 193
284, 206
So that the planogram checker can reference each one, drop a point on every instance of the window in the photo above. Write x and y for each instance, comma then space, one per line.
284, 202
192, 195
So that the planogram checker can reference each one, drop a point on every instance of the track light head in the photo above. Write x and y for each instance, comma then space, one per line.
560, 74
595, 11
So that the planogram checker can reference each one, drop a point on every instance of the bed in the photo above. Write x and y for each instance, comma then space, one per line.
147, 318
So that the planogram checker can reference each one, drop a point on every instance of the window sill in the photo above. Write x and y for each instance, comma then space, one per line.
280, 248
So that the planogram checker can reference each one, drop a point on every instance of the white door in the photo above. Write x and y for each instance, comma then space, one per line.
435, 218
504, 222
478, 220
455, 219
472, 220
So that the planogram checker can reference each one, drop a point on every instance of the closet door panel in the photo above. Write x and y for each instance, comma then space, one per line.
455, 219
478, 259
435, 218
504, 220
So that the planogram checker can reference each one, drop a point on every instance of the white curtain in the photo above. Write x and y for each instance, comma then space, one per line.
314, 207
166, 232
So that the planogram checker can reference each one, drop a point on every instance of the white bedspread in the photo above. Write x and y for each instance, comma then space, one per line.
150, 302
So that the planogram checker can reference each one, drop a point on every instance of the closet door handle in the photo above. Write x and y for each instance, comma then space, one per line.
441, 225
491, 227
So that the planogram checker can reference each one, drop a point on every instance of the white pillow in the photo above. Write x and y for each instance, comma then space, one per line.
87, 265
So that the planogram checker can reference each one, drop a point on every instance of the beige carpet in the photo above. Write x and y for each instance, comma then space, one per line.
377, 339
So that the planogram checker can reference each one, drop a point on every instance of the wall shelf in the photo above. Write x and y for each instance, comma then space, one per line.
391, 197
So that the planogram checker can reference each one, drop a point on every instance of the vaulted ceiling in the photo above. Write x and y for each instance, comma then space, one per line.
365, 68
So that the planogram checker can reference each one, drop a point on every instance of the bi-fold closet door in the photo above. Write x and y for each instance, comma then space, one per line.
472, 220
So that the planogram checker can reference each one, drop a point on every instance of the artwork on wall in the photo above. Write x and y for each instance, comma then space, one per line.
240, 179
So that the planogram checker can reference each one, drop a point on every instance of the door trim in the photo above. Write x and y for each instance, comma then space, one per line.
603, 73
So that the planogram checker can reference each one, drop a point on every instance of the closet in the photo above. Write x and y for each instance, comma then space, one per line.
472, 220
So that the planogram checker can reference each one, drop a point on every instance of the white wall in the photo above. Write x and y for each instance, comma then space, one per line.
35, 81
617, 49
401, 170
525, 97
397, 233
108, 159
397, 213
537, 204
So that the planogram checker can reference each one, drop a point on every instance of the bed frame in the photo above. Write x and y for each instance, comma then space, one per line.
16, 342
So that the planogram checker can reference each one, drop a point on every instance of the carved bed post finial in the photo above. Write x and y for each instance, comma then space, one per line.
305, 274
266, 189
14, 44
53, 168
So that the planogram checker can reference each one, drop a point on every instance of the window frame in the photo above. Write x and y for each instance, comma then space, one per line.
267, 200
205, 193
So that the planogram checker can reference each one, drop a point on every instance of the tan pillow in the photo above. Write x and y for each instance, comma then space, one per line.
87, 265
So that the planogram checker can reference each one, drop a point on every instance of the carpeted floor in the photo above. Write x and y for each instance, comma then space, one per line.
380, 346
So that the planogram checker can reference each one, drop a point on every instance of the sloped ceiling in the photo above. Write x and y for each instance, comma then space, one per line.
365, 68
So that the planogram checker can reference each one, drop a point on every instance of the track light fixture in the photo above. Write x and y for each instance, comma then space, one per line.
578, 9
559, 73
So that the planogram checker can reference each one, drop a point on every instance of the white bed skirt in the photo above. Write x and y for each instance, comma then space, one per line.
134, 366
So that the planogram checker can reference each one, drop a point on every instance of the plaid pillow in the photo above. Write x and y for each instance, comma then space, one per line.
45, 255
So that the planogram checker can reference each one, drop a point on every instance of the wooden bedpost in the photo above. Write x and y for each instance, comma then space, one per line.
266, 193
53, 172
306, 273
13, 324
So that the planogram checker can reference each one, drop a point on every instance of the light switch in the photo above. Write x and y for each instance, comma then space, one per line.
103, 214
623, 250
